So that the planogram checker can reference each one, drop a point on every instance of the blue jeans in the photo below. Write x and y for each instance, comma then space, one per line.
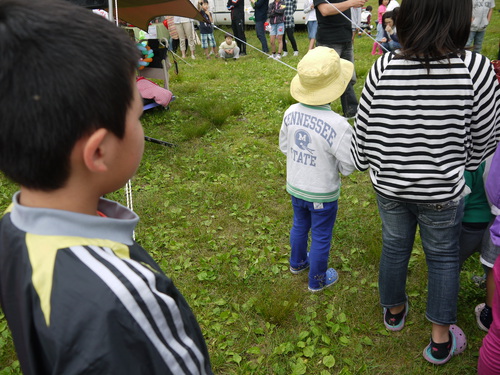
476, 38
320, 222
440, 231
391, 45
312, 29
261, 35
348, 98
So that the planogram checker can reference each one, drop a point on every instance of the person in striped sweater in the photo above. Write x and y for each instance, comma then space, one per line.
426, 114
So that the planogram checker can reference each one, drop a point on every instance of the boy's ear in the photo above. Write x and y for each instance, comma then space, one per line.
94, 151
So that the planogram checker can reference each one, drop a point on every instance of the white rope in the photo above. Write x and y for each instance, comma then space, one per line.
130, 204
181, 58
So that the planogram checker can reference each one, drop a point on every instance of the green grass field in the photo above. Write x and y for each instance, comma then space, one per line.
216, 216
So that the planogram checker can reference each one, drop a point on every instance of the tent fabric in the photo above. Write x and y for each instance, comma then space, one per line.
140, 12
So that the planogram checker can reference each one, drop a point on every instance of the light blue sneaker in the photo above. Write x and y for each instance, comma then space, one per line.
331, 278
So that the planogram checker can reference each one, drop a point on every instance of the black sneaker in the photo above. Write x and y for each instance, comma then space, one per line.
395, 322
484, 316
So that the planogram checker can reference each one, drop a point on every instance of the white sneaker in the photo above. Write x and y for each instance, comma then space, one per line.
295, 53
272, 56
193, 57
285, 53
278, 57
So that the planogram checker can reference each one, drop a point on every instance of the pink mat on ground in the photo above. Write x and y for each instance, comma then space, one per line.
150, 90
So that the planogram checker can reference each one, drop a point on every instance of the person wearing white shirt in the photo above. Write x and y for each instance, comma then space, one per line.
392, 4
311, 22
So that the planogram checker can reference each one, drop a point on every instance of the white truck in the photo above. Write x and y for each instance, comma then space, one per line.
222, 16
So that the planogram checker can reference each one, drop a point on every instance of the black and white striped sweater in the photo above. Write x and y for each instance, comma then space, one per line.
418, 131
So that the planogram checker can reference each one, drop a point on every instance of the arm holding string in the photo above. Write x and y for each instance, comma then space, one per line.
329, 9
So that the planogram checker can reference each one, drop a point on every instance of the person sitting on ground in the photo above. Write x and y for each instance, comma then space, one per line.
315, 157
228, 48
80, 296
366, 20
390, 40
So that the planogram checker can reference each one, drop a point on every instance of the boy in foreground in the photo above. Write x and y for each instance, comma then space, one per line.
79, 295
316, 142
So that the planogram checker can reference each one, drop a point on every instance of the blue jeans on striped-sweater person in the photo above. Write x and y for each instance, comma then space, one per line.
439, 225
318, 218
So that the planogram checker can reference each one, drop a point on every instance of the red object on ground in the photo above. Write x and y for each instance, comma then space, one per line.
496, 67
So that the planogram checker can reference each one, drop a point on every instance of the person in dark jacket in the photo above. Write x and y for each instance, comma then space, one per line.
237, 8
260, 7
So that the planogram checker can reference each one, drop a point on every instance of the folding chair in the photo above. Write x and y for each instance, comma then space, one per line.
159, 67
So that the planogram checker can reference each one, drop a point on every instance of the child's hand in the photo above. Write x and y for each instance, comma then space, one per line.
383, 40
388, 29
230, 51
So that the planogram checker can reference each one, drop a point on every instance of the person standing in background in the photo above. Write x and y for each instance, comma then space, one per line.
382, 8
184, 27
276, 14
335, 31
172, 31
291, 7
260, 7
311, 22
237, 8
392, 5
356, 21
481, 17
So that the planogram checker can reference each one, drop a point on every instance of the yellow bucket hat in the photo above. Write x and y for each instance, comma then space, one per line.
322, 77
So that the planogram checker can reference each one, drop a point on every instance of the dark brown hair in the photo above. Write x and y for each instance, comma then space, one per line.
433, 29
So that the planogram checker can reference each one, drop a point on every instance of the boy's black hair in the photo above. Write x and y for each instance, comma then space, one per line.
65, 72
369, 8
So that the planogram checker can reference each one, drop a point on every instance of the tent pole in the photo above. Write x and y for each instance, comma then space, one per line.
110, 10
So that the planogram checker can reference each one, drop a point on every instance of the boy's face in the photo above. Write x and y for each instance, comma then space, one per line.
229, 40
205, 6
131, 147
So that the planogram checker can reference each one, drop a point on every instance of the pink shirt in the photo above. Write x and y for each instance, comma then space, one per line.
381, 10
489, 353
